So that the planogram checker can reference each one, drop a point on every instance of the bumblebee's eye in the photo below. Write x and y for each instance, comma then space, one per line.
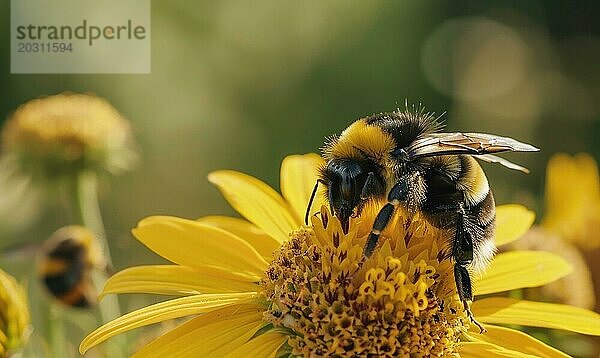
345, 180
347, 187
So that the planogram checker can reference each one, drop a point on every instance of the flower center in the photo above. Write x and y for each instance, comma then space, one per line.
335, 302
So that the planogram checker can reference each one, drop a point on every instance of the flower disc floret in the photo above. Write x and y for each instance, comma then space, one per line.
334, 301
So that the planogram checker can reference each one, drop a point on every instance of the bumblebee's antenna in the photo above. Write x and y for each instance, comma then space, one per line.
312, 198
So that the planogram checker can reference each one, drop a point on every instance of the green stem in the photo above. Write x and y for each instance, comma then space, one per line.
87, 213
56, 331
87, 210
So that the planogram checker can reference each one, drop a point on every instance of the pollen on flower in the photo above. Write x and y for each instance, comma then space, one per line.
400, 301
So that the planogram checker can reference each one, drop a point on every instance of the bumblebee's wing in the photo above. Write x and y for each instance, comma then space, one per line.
465, 143
490, 158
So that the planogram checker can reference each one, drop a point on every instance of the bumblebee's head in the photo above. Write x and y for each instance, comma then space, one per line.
350, 184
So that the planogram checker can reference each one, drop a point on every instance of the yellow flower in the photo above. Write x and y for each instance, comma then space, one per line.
14, 315
59, 134
271, 286
570, 226
576, 288
572, 195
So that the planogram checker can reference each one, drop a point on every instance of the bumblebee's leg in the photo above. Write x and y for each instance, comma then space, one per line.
398, 194
381, 221
462, 252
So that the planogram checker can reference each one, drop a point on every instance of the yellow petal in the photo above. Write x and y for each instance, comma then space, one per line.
588, 168
512, 221
489, 350
256, 237
265, 345
517, 341
210, 335
298, 178
537, 314
175, 308
190, 243
563, 199
572, 211
577, 288
519, 269
257, 202
177, 280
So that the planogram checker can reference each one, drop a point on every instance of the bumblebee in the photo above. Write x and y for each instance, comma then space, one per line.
66, 263
403, 159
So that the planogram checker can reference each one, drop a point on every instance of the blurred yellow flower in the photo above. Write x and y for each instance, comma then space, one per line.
271, 287
65, 133
572, 208
14, 315
570, 226
576, 288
